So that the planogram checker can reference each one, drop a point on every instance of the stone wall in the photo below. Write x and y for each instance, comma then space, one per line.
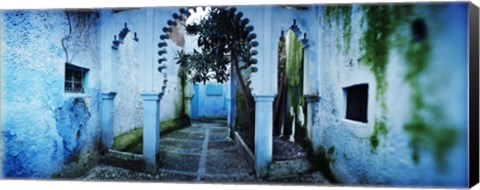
46, 131
416, 129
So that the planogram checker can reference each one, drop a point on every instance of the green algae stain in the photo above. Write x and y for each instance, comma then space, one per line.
331, 150
323, 161
380, 128
181, 105
375, 43
381, 22
433, 134
340, 14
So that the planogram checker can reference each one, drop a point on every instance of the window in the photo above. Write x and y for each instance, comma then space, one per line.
75, 79
356, 102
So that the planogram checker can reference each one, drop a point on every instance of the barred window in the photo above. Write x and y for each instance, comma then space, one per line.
75, 79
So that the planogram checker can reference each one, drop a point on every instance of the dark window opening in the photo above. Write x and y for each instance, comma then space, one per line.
357, 102
75, 79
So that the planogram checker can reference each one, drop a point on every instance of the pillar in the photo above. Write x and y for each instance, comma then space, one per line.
107, 119
312, 109
263, 133
151, 130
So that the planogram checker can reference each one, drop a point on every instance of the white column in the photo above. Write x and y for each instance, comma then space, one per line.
108, 94
151, 99
263, 133
107, 119
151, 130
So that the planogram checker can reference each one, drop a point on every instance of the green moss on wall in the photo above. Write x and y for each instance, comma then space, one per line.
132, 140
340, 14
181, 106
425, 134
382, 21
128, 140
375, 43
323, 160
380, 128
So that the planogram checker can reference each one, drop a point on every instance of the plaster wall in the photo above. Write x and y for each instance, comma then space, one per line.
212, 102
349, 146
126, 62
47, 132
130, 66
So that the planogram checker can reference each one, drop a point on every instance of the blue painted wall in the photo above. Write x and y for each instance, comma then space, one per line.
47, 132
209, 101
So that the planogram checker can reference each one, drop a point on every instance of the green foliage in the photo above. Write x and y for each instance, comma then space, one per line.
223, 38
294, 71
294, 59
340, 14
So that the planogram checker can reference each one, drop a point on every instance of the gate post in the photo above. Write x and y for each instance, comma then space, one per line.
151, 130
107, 119
263, 133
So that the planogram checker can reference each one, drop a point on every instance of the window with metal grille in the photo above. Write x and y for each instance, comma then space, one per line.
356, 102
75, 79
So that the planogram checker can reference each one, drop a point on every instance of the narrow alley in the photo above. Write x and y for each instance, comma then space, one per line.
202, 152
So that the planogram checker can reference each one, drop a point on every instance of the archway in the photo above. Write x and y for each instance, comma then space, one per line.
233, 70
289, 105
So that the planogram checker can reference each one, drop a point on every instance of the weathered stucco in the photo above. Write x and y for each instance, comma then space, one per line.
46, 131
128, 60
406, 83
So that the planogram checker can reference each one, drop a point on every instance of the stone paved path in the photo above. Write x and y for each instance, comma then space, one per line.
200, 153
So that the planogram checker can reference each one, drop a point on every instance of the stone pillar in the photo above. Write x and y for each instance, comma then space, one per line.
107, 119
312, 121
151, 130
263, 133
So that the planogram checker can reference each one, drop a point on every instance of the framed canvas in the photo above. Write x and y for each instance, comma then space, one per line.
353, 94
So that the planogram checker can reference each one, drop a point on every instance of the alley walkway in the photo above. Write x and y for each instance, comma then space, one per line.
200, 153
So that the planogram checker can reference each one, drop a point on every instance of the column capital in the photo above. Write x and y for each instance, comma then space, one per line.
151, 96
108, 95
263, 97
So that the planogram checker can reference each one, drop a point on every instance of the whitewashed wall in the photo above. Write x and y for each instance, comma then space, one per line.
444, 80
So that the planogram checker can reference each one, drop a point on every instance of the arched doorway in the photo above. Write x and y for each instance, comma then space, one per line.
289, 105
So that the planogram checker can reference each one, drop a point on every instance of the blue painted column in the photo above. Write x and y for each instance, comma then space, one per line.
263, 132
151, 130
107, 119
